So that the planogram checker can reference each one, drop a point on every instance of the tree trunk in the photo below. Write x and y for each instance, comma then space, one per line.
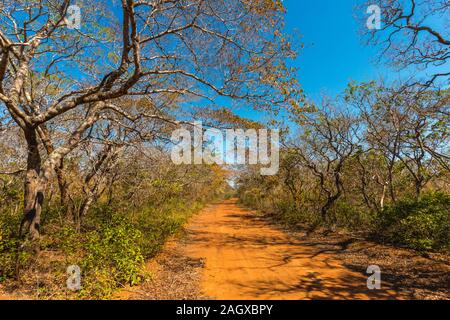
383, 195
84, 208
327, 206
33, 189
418, 185
391, 187
62, 183
59, 169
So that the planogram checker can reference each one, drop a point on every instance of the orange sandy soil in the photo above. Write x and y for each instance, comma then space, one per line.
228, 252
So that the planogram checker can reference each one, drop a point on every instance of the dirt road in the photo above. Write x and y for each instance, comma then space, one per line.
245, 257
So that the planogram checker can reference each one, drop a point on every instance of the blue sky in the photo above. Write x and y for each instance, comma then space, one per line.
334, 52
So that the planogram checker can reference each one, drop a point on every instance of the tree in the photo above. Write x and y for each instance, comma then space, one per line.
329, 139
172, 52
407, 126
414, 33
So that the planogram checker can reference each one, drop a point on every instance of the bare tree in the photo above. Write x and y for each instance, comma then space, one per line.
408, 127
172, 52
328, 141
414, 33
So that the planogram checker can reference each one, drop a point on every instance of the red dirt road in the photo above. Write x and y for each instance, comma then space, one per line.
245, 257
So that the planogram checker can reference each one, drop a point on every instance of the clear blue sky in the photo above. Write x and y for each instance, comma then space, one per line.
334, 52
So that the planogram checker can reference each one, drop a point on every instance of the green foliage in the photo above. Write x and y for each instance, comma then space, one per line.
157, 224
422, 224
96, 258
114, 245
351, 217
110, 248
290, 214
110, 256
10, 256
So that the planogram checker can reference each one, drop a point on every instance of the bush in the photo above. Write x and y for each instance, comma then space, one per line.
109, 256
422, 224
110, 248
351, 217
112, 257
113, 245
290, 214
10, 255
157, 224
